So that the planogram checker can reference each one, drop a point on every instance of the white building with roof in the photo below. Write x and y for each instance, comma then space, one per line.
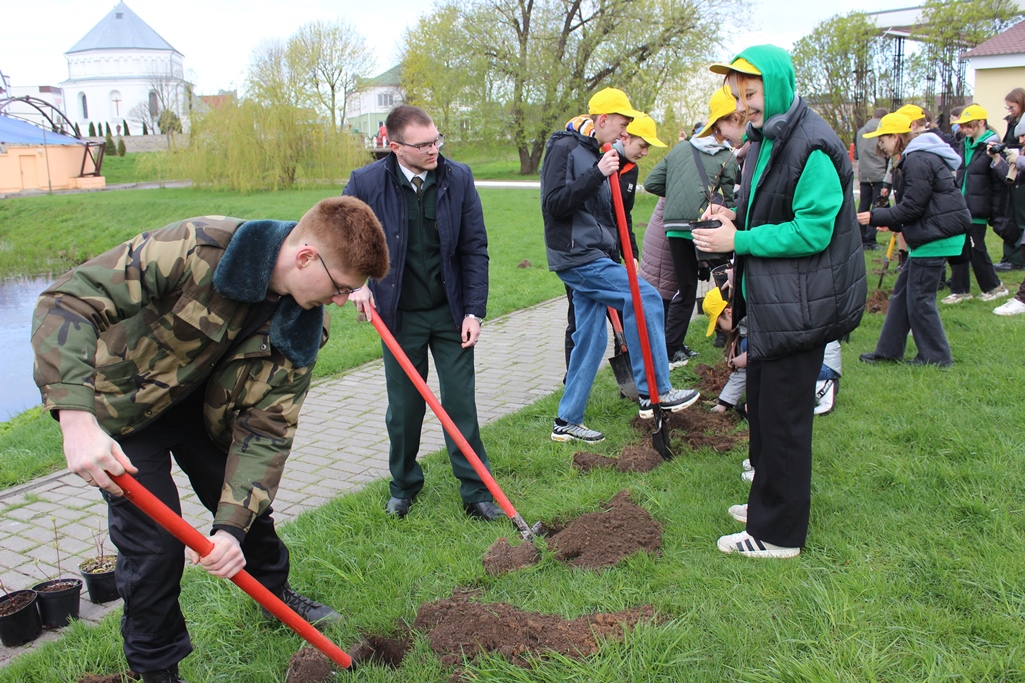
122, 70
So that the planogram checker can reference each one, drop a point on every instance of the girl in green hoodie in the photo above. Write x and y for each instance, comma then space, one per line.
802, 285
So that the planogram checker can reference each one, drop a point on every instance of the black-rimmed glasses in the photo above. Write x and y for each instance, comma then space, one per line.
338, 290
424, 146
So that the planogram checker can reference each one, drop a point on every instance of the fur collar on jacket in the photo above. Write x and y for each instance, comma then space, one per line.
244, 273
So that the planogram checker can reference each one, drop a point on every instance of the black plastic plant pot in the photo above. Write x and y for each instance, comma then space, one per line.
708, 255
99, 579
58, 601
19, 618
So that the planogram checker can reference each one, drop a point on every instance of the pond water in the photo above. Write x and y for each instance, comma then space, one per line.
18, 392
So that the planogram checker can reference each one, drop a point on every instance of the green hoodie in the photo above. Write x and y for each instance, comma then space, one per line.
818, 195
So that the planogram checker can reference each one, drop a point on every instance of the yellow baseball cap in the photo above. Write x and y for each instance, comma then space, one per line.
972, 112
644, 127
722, 104
891, 124
739, 64
612, 101
713, 306
912, 111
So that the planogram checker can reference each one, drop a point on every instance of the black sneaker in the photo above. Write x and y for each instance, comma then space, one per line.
310, 610
163, 676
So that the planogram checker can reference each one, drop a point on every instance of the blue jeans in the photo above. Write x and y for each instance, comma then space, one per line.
596, 286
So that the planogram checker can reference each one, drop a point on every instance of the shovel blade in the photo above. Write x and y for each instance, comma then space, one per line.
623, 371
660, 437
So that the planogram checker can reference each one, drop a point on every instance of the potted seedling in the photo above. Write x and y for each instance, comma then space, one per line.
19, 617
58, 598
98, 572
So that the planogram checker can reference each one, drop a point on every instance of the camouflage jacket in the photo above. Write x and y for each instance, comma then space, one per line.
131, 332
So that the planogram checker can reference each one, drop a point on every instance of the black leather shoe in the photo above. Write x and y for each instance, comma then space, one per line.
397, 507
485, 510
876, 358
1005, 266
870, 246
163, 676
310, 610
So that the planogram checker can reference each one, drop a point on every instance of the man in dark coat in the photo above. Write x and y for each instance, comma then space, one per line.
434, 297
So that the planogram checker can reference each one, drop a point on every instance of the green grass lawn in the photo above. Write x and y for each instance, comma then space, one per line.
135, 168
912, 570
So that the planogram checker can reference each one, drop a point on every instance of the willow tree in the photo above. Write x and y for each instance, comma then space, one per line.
542, 59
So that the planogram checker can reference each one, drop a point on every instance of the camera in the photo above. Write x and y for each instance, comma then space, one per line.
997, 148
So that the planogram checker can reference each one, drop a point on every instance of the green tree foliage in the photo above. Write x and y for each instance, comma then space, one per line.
92, 130
121, 147
78, 132
264, 146
531, 64
125, 126
949, 28
169, 122
328, 58
108, 145
108, 129
838, 66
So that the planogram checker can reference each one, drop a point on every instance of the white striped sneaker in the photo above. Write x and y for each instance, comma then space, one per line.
739, 513
746, 464
674, 401
747, 545
569, 432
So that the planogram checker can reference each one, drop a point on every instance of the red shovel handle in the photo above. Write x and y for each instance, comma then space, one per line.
183, 531
635, 289
446, 421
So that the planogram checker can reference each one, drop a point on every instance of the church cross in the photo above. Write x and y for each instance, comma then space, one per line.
117, 107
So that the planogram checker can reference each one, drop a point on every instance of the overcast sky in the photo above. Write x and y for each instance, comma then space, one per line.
217, 36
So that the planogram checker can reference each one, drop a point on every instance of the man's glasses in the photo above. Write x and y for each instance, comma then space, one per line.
424, 146
338, 290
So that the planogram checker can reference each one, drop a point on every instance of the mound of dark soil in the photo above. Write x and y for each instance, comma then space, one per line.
309, 665
637, 457
700, 428
502, 557
600, 539
877, 302
711, 379
459, 626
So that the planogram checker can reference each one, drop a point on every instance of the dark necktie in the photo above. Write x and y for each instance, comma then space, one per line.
417, 184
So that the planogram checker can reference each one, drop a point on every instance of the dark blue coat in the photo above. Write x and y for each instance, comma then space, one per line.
460, 221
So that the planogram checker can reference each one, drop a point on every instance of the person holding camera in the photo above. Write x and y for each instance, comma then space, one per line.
931, 215
985, 194
1011, 163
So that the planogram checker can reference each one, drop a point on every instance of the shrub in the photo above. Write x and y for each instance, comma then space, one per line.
120, 147
92, 130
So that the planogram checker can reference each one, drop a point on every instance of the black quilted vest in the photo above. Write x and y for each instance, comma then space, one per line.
797, 304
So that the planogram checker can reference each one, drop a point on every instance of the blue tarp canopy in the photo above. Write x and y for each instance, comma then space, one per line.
15, 132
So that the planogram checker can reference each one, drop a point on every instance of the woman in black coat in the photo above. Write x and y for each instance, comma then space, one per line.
931, 214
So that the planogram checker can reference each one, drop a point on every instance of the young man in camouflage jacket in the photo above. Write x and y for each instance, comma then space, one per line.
197, 339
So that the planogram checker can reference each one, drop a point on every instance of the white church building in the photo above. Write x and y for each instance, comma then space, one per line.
122, 70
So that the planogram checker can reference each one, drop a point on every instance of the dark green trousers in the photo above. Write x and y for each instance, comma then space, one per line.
416, 332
